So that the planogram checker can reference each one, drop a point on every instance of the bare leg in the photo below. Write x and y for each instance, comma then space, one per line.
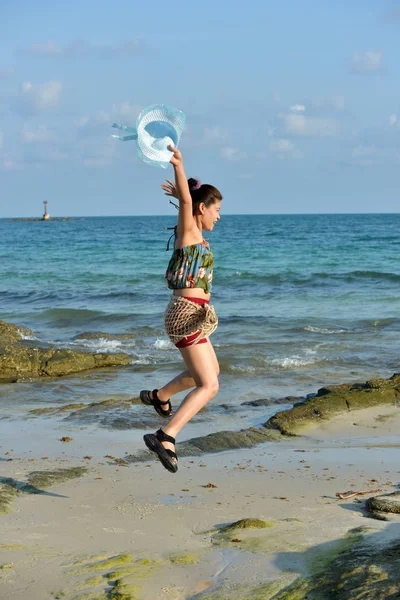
203, 365
183, 381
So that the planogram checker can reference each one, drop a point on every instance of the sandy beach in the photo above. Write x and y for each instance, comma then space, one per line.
134, 531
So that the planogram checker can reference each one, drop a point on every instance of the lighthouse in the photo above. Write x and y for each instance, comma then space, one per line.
46, 215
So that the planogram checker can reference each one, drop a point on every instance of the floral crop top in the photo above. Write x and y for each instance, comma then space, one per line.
191, 267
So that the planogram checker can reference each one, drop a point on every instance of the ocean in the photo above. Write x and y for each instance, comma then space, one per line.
304, 301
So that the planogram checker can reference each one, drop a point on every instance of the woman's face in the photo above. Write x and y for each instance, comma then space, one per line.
210, 215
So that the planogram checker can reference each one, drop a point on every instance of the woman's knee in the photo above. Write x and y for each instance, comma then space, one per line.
212, 387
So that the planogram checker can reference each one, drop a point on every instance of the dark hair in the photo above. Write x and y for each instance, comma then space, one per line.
203, 193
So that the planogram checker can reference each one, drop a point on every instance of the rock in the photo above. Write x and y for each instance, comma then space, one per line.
93, 335
10, 333
226, 440
248, 523
37, 482
353, 568
385, 503
216, 442
334, 400
269, 402
18, 360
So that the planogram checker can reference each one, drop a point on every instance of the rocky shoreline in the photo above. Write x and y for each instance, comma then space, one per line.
21, 359
255, 514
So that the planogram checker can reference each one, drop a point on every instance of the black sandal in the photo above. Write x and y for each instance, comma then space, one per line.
155, 401
153, 442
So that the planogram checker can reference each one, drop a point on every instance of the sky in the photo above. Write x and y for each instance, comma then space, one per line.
291, 107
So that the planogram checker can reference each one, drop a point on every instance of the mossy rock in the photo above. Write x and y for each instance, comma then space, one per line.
36, 483
353, 569
227, 440
46, 479
10, 333
183, 558
387, 503
52, 410
8, 494
248, 524
335, 400
18, 362
99, 335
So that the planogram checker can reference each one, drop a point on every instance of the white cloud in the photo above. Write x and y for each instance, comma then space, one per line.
283, 149
123, 113
297, 108
99, 155
369, 61
40, 134
393, 16
281, 146
213, 134
373, 155
8, 165
394, 121
127, 111
336, 103
231, 153
49, 48
39, 97
81, 48
5, 73
302, 125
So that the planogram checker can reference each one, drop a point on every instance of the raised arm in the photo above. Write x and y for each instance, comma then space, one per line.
186, 223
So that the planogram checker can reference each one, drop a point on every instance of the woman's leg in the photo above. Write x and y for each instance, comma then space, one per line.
203, 365
183, 381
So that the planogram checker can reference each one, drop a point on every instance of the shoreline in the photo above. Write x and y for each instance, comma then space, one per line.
159, 524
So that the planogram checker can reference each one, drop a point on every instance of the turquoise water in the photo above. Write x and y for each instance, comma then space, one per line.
303, 301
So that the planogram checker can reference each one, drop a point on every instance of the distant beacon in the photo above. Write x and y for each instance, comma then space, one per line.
46, 215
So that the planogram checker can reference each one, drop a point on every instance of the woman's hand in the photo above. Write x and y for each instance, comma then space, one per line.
176, 159
169, 189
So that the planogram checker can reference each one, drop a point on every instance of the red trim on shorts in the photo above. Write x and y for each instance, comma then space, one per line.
190, 339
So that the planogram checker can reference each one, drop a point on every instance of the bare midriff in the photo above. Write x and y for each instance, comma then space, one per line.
191, 293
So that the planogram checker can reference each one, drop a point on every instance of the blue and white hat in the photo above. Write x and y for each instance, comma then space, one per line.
157, 127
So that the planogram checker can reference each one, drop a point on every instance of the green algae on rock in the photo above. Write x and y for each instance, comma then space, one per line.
362, 571
229, 440
334, 400
20, 360
227, 535
265, 591
215, 442
385, 503
37, 481
99, 335
354, 568
46, 479
182, 558
8, 494
10, 333
249, 524
119, 575
53, 410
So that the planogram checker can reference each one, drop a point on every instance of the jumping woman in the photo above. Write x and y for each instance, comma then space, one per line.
189, 318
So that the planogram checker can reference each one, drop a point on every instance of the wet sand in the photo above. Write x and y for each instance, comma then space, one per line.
166, 529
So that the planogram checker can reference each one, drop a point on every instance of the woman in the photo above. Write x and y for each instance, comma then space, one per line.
189, 318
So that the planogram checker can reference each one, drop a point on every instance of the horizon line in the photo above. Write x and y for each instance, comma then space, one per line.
57, 217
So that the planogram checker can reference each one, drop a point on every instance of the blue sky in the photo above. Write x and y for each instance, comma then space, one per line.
291, 107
